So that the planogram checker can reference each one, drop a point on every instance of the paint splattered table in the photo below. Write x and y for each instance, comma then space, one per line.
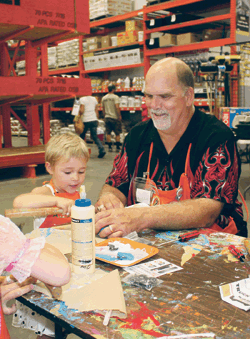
187, 302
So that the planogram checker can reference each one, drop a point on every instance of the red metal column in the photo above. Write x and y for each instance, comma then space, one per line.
33, 122
5, 109
145, 37
33, 125
234, 88
46, 107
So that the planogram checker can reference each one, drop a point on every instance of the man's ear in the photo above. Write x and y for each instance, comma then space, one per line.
190, 96
49, 168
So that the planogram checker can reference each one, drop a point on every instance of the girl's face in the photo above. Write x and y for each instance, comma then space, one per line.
69, 175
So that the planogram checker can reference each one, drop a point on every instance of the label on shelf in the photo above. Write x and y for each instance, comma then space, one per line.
173, 18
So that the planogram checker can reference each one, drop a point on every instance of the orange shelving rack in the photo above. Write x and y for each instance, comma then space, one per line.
35, 24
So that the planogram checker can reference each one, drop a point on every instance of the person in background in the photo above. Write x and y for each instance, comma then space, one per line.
25, 258
112, 115
89, 113
183, 163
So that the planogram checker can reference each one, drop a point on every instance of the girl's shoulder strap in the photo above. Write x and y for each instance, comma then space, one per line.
50, 185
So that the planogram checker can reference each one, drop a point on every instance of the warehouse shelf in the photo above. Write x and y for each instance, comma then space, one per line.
62, 70
132, 89
203, 102
187, 6
131, 109
138, 43
112, 68
35, 24
202, 23
118, 18
190, 47
37, 20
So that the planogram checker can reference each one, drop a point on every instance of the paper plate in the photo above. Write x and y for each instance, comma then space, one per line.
149, 251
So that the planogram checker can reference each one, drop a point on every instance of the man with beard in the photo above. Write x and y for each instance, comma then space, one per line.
183, 163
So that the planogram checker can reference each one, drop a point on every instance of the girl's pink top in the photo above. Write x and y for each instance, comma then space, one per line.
17, 253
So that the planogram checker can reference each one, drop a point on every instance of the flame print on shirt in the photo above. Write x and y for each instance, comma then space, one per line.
119, 173
213, 180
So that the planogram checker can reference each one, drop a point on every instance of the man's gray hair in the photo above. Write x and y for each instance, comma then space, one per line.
185, 75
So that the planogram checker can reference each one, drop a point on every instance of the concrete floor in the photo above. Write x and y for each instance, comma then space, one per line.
11, 185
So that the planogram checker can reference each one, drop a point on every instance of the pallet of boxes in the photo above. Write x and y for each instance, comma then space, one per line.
97, 57
103, 8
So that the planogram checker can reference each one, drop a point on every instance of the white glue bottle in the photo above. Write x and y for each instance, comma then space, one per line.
83, 236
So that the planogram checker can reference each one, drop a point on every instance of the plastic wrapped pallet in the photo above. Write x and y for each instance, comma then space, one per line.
108, 7
68, 53
52, 57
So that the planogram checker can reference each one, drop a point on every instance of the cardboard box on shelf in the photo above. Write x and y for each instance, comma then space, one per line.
167, 40
227, 114
127, 37
94, 46
133, 25
93, 40
188, 38
106, 41
212, 34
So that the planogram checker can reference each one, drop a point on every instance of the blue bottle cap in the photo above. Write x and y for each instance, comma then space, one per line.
83, 202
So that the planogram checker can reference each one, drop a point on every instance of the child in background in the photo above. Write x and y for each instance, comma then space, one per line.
66, 158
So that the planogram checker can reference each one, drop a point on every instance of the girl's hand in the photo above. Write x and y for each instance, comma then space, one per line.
65, 204
12, 291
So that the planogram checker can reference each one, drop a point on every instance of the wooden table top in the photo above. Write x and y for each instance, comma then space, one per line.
187, 302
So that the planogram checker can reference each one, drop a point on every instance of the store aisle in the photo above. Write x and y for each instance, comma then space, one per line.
11, 185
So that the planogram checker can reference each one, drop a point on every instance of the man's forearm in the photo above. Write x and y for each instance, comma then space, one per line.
109, 189
193, 213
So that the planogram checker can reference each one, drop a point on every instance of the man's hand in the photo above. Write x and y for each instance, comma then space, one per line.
12, 291
119, 222
108, 201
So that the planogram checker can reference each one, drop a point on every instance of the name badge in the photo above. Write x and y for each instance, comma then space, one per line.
143, 196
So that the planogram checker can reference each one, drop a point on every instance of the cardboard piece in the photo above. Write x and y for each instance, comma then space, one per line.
60, 238
86, 292
103, 293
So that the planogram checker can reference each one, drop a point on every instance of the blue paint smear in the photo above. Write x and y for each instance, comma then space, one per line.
120, 256
63, 309
106, 257
125, 256
49, 231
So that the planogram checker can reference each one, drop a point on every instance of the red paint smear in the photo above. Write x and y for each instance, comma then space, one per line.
137, 318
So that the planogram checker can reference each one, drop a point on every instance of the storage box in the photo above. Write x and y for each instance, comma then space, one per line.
133, 25
127, 37
93, 40
227, 114
212, 34
106, 41
94, 46
167, 40
188, 38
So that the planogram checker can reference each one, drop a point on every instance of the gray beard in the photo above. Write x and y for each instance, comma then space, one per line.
162, 124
